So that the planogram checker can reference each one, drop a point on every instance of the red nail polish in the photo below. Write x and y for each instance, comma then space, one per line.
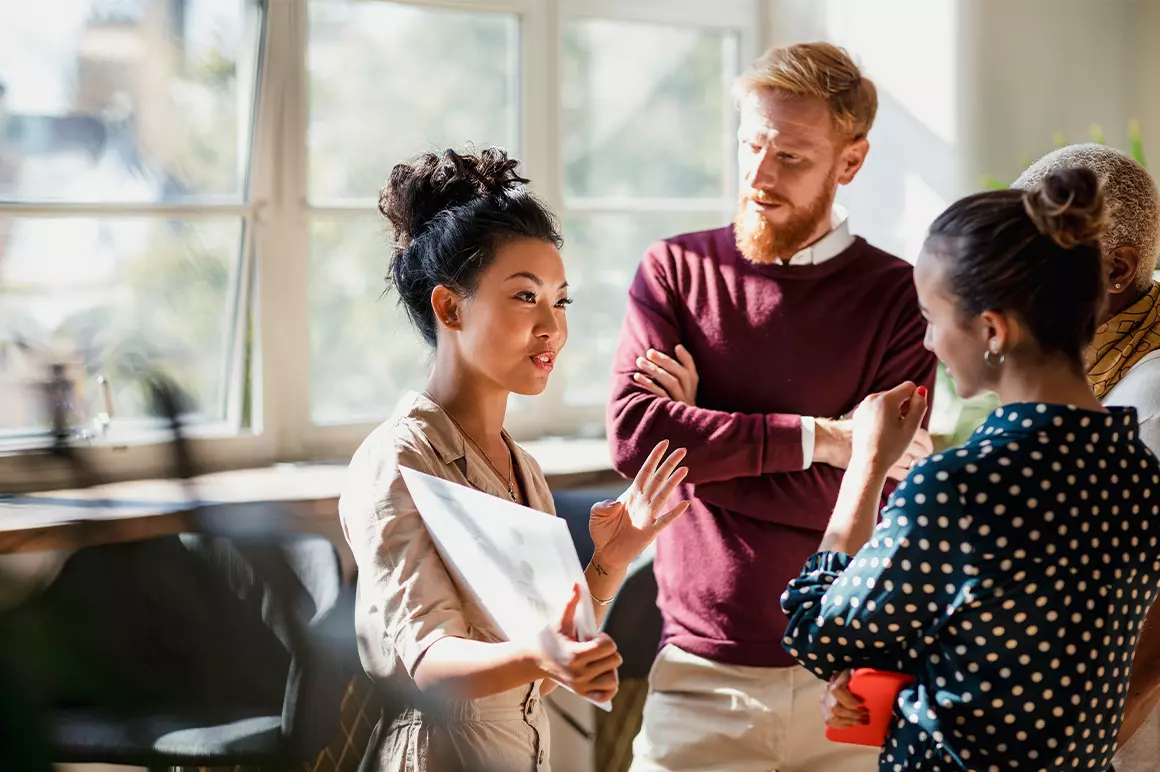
922, 391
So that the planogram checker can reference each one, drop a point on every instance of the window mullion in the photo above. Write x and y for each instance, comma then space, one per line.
541, 152
242, 296
69, 209
282, 325
729, 14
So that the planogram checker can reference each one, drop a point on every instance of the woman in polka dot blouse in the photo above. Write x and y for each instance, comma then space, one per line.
1009, 576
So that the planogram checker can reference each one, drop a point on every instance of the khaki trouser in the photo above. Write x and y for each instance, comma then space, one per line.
701, 715
1140, 753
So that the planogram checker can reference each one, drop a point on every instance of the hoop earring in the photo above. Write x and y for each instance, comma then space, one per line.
994, 359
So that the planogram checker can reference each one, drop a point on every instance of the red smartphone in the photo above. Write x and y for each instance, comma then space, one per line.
878, 689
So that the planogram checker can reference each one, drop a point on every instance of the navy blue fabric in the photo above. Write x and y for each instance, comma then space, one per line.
1010, 577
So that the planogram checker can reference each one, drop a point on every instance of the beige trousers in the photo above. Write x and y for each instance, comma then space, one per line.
1140, 753
701, 715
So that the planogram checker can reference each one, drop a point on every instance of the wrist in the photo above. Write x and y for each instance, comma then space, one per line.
534, 662
831, 443
866, 464
608, 570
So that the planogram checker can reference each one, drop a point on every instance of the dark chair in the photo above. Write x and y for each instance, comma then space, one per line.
188, 650
634, 621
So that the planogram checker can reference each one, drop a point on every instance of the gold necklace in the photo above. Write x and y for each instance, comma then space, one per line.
510, 479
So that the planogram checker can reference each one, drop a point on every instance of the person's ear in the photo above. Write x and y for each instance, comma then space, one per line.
999, 333
1122, 266
446, 305
851, 160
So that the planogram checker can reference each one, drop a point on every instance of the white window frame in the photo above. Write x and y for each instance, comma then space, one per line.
741, 17
279, 211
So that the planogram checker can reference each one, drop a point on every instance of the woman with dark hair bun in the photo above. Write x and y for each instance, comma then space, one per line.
1010, 576
477, 267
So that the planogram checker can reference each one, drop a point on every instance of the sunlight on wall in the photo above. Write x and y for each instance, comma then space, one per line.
921, 204
909, 48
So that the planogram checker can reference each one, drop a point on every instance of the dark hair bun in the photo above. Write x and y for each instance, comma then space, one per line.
418, 191
1067, 206
451, 214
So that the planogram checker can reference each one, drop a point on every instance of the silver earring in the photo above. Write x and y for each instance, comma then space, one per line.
994, 358
1119, 285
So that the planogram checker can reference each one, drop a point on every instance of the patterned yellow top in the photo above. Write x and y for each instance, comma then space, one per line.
1123, 340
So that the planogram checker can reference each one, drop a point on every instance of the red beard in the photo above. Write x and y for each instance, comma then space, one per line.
762, 242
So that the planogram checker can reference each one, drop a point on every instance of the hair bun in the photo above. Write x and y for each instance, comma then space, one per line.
418, 191
1067, 206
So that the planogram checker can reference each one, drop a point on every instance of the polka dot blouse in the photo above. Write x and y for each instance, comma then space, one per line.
1010, 577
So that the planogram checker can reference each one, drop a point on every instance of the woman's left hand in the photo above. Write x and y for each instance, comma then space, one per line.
840, 708
624, 528
885, 425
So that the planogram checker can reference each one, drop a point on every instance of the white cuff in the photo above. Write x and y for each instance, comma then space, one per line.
808, 432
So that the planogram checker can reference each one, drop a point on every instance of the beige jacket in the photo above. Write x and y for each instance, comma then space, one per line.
407, 600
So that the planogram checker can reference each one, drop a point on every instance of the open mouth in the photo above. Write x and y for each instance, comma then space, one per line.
545, 360
765, 205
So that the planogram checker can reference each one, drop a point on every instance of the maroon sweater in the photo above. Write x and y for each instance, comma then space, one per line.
772, 343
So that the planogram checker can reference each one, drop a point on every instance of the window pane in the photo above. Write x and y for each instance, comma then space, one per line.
125, 100
666, 130
388, 81
601, 253
109, 297
363, 352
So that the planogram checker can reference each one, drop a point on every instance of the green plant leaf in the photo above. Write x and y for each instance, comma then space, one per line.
1136, 150
993, 183
1135, 142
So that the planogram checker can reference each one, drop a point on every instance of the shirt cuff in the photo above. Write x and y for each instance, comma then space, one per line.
808, 435
830, 562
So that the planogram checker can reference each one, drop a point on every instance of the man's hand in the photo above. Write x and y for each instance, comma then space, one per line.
833, 443
664, 376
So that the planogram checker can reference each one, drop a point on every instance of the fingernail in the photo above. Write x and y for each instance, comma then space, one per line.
865, 720
921, 391
641, 361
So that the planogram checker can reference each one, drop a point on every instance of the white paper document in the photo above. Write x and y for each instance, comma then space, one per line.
519, 564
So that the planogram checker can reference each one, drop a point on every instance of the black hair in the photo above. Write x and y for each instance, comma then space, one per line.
450, 213
1033, 253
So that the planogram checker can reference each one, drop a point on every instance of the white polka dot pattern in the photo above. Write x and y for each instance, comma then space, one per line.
1010, 577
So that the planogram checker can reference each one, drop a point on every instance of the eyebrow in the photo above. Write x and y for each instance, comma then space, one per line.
778, 139
531, 277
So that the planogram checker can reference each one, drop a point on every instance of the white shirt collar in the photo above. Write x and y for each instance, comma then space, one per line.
834, 243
